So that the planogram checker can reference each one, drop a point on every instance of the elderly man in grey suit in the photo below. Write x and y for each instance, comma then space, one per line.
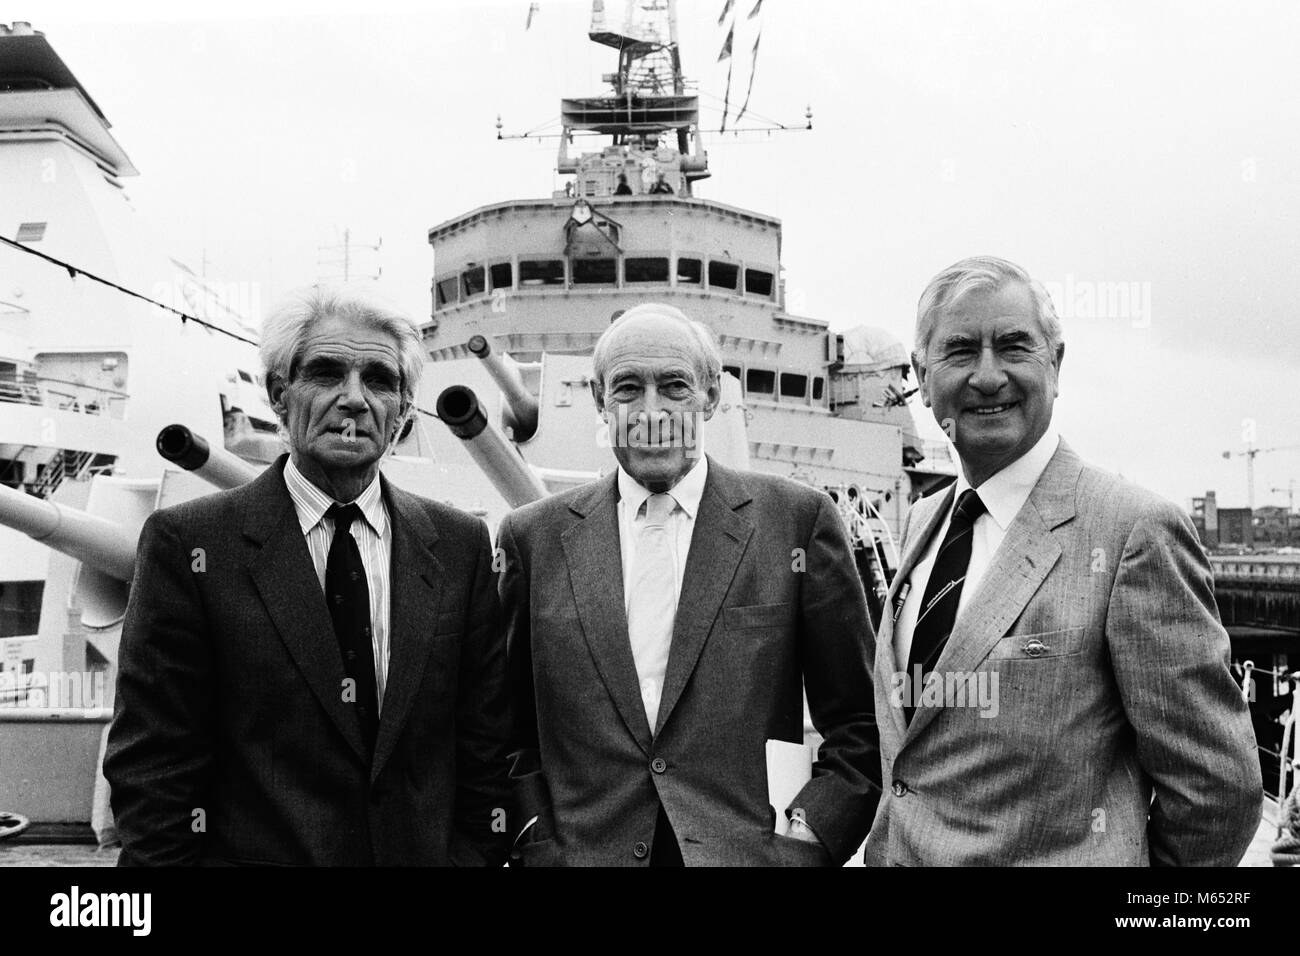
1052, 681
663, 623
312, 667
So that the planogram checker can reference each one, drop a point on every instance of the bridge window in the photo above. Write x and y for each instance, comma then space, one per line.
733, 370
595, 271
759, 283
445, 292
723, 275
819, 384
646, 270
688, 271
541, 272
474, 281
760, 381
794, 386
502, 275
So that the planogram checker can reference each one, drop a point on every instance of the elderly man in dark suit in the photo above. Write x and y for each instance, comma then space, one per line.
1052, 685
312, 669
663, 623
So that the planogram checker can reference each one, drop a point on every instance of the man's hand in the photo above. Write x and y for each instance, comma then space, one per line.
799, 830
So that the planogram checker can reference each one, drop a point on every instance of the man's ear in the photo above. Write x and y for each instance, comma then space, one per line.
405, 420
921, 381
275, 388
711, 398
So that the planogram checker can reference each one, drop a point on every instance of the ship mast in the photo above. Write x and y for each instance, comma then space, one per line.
647, 105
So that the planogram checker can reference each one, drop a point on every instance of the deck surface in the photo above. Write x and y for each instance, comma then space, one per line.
18, 853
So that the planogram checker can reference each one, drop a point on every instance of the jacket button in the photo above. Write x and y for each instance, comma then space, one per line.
640, 851
899, 788
1036, 648
659, 765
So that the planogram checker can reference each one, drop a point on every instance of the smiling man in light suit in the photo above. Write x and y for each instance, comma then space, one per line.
1052, 682
663, 623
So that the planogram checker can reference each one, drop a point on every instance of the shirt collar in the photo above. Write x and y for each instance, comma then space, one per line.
1006, 492
687, 492
311, 503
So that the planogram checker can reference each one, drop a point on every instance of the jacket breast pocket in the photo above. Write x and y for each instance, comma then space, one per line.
450, 622
755, 615
1040, 646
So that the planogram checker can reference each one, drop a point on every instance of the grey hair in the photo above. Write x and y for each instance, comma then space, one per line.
708, 360
987, 274
286, 328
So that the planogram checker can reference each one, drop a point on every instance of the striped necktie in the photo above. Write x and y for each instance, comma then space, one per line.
652, 603
943, 592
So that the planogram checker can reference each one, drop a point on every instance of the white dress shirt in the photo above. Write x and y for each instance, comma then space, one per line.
1004, 494
681, 521
374, 538
651, 644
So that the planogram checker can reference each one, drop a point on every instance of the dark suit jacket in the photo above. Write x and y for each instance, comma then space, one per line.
229, 696
1116, 734
771, 603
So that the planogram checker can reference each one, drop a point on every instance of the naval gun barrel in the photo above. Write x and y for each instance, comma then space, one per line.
192, 452
521, 407
459, 409
100, 543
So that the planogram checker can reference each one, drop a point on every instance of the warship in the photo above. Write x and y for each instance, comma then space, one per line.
110, 408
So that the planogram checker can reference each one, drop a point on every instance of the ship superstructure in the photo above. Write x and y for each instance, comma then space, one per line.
88, 374
540, 279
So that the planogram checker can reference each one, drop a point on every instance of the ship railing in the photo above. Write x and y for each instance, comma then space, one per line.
65, 464
1287, 756
63, 395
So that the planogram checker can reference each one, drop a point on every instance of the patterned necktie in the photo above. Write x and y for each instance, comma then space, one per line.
348, 597
652, 603
938, 611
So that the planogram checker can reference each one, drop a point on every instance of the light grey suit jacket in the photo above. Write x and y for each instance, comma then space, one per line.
1112, 731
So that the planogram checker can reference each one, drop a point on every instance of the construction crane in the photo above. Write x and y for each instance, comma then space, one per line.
1249, 454
1290, 495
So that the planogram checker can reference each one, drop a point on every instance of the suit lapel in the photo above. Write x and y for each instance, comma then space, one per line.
415, 594
717, 545
285, 579
1016, 571
927, 524
591, 550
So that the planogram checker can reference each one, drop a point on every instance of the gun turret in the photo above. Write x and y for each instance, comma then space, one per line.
192, 452
459, 409
100, 543
521, 407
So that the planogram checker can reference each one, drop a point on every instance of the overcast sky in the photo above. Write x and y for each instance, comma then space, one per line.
1142, 158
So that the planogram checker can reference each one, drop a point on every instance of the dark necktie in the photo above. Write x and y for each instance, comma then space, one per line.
348, 597
943, 592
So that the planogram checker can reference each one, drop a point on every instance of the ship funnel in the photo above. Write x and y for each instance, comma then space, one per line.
459, 409
192, 452
521, 407
98, 542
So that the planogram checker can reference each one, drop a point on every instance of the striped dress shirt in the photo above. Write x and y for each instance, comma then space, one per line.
374, 538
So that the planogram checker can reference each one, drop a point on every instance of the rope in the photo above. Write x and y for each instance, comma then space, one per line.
74, 271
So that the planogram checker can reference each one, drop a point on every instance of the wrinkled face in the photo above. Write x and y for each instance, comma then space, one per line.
990, 377
343, 404
653, 400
